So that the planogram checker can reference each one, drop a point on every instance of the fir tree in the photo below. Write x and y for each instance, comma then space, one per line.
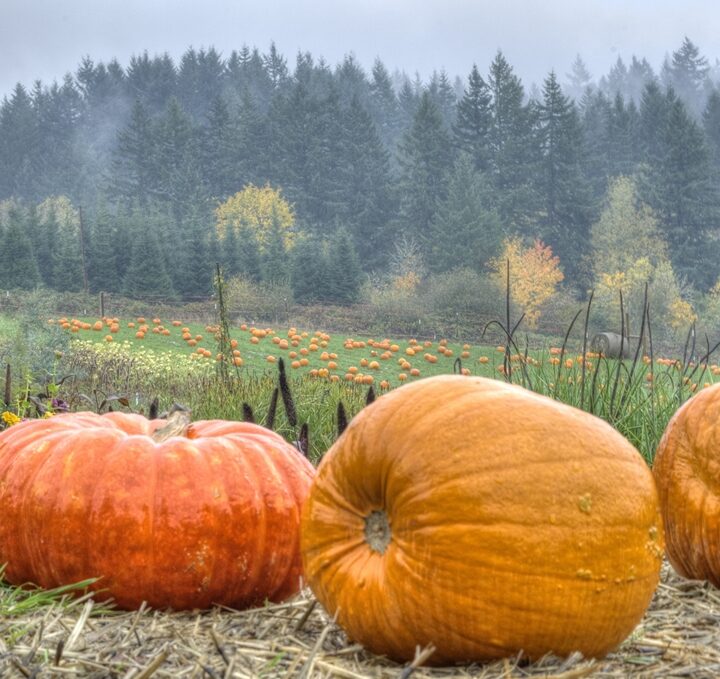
621, 131
681, 190
44, 237
565, 195
309, 268
220, 141
344, 274
20, 160
383, 104
275, 261
711, 125
146, 273
18, 266
275, 67
133, 173
474, 121
687, 75
424, 160
199, 273
230, 253
249, 260
179, 184
513, 152
67, 261
653, 120
579, 80
466, 231
364, 200
103, 252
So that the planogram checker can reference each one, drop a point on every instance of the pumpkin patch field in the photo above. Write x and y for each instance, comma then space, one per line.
425, 508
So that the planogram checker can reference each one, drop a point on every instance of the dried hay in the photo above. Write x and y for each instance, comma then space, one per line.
678, 637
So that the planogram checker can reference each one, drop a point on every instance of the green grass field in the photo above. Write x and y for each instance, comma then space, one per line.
637, 399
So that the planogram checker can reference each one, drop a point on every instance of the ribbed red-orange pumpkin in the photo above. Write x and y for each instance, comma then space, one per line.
483, 519
209, 515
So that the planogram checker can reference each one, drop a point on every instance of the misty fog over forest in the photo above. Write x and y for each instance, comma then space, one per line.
386, 174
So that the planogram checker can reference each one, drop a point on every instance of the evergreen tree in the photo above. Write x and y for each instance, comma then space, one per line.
146, 273
351, 82
425, 158
305, 151
442, 93
58, 112
579, 80
514, 154
566, 217
103, 253
18, 266
43, 234
594, 112
246, 72
199, 81
687, 75
230, 253
222, 171
466, 231
344, 274
252, 165
474, 121
653, 121
408, 103
249, 260
276, 67
681, 190
364, 200
640, 75
616, 81
309, 271
19, 146
178, 184
383, 105
67, 261
621, 134
199, 272
711, 125
124, 233
275, 260
151, 81
133, 172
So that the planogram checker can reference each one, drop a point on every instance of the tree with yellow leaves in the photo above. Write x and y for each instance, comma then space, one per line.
628, 254
534, 275
257, 210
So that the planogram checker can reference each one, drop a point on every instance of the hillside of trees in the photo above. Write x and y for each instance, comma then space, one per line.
112, 179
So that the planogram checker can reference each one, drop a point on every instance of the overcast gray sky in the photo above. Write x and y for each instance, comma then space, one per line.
47, 38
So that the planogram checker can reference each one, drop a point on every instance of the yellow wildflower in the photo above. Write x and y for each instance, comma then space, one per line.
9, 418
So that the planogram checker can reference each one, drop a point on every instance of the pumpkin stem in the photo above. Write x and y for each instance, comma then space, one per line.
177, 425
377, 531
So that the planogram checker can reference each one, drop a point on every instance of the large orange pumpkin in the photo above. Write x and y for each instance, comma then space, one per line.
483, 519
181, 518
687, 472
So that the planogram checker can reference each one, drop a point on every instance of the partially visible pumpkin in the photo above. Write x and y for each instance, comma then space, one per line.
181, 517
483, 519
687, 472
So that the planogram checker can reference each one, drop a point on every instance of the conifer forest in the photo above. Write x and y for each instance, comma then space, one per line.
136, 177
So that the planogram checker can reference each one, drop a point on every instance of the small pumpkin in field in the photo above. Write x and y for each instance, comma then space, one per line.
687, 473
178, 515
484, 519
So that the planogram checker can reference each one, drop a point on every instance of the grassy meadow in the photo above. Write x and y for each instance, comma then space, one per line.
128, 363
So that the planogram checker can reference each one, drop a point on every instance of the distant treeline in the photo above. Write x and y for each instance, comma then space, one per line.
450, 166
